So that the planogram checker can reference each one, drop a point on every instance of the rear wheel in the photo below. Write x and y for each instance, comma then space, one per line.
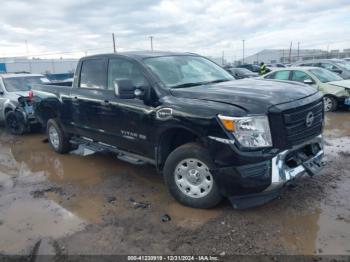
14, 122
330, 104
57, 138
188, 177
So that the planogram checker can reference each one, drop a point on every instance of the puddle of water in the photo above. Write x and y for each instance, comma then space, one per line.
337, 124
189, 217
300, 232
87, 207
32, 158
321, 232
327, 230
38, 156
25, 220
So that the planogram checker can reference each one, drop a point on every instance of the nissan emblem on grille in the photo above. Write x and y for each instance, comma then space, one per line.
309, 119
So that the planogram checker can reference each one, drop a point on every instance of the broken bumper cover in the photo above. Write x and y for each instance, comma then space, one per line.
281, 174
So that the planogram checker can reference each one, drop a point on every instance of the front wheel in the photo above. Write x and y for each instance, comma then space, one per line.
188, 177
330, 104
57, 138
14, 122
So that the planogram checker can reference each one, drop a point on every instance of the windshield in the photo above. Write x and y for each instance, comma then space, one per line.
13, 84
325, 76
344, 64
186, 71
243, 71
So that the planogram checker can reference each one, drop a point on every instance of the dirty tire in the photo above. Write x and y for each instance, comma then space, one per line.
57, 138
14, 122
197, 154
330, 104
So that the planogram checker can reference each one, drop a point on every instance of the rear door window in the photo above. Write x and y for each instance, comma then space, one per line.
94, 74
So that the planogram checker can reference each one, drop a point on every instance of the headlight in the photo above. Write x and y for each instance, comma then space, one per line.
252, 131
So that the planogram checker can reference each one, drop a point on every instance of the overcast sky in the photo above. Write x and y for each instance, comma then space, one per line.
66, 28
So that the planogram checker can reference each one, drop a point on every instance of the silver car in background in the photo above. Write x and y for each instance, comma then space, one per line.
338, 66
13, 86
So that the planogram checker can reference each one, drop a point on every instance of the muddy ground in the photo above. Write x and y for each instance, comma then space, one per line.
70, 204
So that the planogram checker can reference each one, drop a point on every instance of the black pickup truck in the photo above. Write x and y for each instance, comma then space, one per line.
209, 135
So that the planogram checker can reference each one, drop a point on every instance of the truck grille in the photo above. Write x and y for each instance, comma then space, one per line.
303, 123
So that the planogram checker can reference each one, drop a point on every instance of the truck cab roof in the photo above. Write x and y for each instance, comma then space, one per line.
140, 55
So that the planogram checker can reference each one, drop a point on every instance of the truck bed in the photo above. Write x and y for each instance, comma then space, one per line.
53, 89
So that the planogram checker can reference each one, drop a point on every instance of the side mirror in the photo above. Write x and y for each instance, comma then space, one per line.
124, 89
308, 81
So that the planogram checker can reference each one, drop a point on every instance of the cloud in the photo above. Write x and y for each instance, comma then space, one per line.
71, 28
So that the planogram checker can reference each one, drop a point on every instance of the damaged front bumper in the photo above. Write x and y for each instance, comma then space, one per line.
285, 167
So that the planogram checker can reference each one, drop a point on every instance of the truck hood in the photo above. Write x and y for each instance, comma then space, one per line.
252, 95
341, 83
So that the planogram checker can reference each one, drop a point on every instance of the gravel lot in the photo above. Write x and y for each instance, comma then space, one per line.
69, 204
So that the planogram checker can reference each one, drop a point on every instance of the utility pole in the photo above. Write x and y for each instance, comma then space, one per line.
290, 52
151, 39
114, 49
243, 51
223, 58
298, 51
328, 51
29, 62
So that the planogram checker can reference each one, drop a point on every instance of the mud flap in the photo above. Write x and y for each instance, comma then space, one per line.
314, 165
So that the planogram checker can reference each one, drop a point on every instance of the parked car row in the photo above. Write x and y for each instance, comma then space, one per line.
325, 75
336, 90
338, 66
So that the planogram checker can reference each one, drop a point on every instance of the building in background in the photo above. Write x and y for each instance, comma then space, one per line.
37, 65
285, 56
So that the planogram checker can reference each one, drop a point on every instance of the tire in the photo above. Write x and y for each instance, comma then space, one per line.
57, 138
330, 104
187, 176
14, 122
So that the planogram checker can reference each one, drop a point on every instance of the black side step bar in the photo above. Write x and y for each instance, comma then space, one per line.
102, 147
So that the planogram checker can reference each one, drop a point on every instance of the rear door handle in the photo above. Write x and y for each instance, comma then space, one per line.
106, 102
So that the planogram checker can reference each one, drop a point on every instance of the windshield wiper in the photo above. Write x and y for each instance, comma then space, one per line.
188, 85
217, 81
200, 83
